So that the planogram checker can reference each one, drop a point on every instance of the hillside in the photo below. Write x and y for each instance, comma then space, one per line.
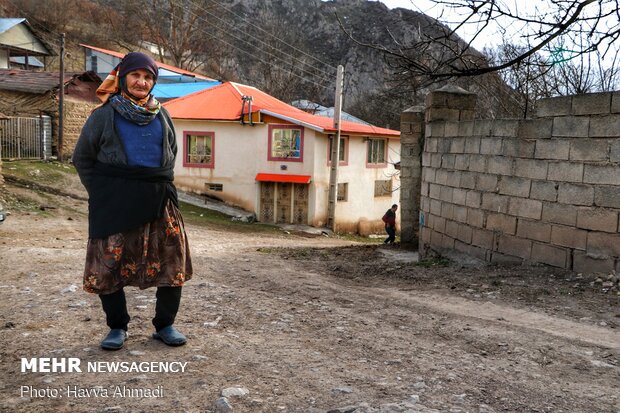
289, 48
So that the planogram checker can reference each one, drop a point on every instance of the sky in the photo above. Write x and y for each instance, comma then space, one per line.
447, 15
491, 36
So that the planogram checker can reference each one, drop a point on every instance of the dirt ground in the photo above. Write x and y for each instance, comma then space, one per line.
305, 325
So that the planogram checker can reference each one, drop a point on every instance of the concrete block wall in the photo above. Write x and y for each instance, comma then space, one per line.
411, 138
543, 190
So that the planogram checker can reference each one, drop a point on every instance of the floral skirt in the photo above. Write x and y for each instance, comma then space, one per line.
153, 255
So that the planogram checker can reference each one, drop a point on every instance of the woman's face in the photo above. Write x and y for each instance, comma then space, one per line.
140, 82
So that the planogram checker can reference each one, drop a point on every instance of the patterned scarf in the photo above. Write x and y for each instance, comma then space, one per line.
127, 108
140, 111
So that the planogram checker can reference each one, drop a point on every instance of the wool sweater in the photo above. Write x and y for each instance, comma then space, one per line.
142, 143
100, 142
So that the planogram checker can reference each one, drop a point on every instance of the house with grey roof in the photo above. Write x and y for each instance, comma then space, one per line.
20, 46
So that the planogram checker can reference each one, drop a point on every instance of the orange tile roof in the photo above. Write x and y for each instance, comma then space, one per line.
160, 64
223, 102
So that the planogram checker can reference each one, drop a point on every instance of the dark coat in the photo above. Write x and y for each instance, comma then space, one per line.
122, 197
99, 142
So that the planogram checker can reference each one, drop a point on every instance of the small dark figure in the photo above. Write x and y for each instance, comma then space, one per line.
390, 224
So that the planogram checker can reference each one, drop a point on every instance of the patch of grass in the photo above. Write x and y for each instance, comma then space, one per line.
44, 172
434, 262
362, 239
268, 250
24, 203
216, 220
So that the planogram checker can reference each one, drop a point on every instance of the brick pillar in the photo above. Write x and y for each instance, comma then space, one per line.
447, 105
411, 134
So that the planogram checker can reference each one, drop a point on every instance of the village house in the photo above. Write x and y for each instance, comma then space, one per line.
254, 151
102, 61
33, 96
19, 45
172, 82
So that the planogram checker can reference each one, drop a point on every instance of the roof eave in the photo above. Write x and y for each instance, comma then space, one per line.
293, 120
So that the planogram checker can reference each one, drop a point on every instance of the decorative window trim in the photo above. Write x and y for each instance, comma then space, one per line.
270, 141
186, 135
345, 162
385, 150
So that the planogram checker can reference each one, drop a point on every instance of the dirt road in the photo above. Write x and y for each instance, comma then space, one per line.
304, 325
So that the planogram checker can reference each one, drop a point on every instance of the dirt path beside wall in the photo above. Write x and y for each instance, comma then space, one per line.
307, 325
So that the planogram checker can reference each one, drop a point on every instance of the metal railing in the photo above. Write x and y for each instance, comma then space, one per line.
26, 137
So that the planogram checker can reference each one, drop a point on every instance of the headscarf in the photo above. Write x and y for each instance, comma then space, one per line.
114, 85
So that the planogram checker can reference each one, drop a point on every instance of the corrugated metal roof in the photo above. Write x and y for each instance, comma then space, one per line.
224, 102
7, 22
175, 90
34, 82
320, 110
160, 64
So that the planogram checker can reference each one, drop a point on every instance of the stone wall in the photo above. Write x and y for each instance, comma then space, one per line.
76, 113
543, 190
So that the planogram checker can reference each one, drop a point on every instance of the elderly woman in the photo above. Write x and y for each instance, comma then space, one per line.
125, 158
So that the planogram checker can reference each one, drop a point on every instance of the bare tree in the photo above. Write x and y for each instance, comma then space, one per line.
175, 26
541, 76
587, 25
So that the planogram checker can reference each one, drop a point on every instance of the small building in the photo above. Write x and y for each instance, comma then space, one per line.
20, 45
102, 61
172, 82
26, 93
254, 151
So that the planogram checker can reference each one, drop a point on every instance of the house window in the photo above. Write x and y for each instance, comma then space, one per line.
376, 152
383, 188
343, 192
198, 149
342, 152
286, 143
93, 63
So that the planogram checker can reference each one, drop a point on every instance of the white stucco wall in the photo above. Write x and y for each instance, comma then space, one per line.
235, 157
361, 204
240, 152
20, 36
105, 62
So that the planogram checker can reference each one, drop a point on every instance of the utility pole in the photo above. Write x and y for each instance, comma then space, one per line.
335, 153
61, 96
